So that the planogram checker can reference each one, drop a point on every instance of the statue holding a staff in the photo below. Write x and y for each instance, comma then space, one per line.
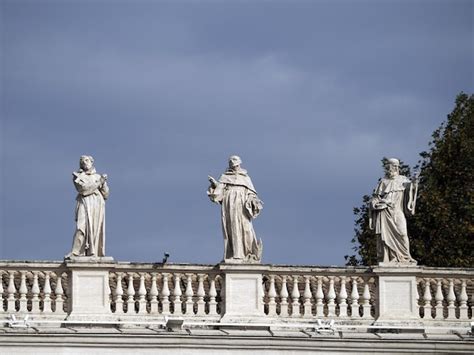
394, 198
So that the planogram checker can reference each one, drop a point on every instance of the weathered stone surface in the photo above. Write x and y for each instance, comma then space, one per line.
90, 293
239, 205
394, 196
244, 297
225, 308
79, 341
92, 188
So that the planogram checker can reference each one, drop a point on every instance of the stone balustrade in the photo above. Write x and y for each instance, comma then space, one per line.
116, 292
339, 293
444, 295
189, 291
33, 288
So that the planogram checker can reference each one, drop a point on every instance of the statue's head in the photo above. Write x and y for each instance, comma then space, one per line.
86, 162
392, 167
234, 162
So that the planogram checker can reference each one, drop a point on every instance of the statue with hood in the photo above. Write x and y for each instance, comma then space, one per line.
92, 191
237, 196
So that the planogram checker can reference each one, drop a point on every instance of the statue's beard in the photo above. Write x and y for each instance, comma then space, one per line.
392, 174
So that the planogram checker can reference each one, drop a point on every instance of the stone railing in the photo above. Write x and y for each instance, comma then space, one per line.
36, 288
178, 290
443, 294
270, 295
308, 293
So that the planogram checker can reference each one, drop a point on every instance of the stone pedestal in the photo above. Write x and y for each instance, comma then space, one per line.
243, 295
397, 295
89, 289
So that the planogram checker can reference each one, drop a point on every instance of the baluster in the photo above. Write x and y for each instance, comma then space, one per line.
35, 290
130, 295
200, 296
271, 297
142, 295
331, 296
342, 298
354, 299
1, 292
59, 292
283, 297
153, 295
47, 293
295, 297
23, 291
177, 295
118, 295
439, 299
451, 298
189, 294
427, 300
165, 293
319, 298
463, 301
212, 297
307, 297
366, 300
11, 292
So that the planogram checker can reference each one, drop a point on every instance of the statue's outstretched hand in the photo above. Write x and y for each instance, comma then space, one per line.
212, 181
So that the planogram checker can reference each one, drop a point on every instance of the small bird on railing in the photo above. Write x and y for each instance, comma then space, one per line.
165, 258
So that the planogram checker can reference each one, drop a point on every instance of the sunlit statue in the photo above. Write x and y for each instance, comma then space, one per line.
239, 205
89, 238
393, 199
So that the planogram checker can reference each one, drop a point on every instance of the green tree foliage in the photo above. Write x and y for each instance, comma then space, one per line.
442, 230
444, 224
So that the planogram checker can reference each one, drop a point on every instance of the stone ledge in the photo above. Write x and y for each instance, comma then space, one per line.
150, 341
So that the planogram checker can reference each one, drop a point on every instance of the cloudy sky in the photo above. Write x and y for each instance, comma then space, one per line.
311, 95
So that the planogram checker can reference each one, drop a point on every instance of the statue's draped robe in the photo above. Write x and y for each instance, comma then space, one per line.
89, 238
397, 196
239, 205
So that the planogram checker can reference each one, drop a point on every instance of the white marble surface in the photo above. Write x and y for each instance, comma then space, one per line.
235, 192
89, 293
111, 341
92, 191
243, 296
394, 196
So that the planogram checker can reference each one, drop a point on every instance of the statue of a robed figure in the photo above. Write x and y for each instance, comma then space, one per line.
240, 204
394, 198
92, 188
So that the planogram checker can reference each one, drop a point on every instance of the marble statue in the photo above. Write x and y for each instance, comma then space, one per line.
393, 199
92, 188
239, 205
